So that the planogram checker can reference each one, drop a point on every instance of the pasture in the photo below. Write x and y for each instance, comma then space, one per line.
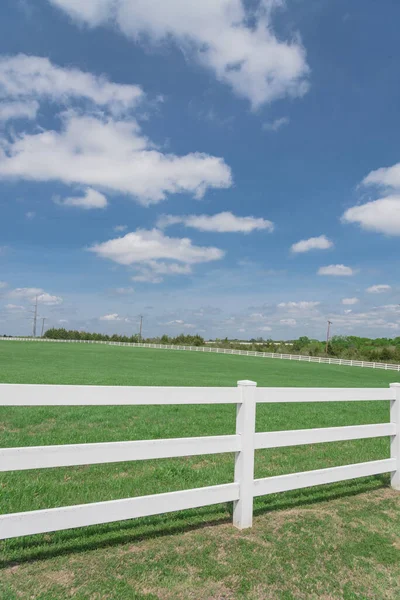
336, 541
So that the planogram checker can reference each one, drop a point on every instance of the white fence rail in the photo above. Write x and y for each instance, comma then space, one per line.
244, 443
297, 357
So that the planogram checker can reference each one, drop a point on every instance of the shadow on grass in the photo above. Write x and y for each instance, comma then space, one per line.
75, 541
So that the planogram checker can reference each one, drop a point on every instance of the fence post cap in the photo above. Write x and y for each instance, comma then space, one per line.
248, 382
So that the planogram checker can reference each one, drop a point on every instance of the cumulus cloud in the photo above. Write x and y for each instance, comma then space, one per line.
49, 299
336, 271
14, 308
299, 305
91, 199
124, 291
119, 228
111, 317
30, 295
289, 322
216, 34
276, 124
99, 143
154, 271
147, 276
350, 301
387, 177
3, 284
143, 246
109, 154
224, 222
31, 78
314, 243
379, 289
18, 110
180, 323
382, 215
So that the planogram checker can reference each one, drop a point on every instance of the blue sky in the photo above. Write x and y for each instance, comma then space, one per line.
167, 160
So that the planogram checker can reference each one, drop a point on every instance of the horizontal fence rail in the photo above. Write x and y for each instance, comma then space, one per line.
244, 444
295, 357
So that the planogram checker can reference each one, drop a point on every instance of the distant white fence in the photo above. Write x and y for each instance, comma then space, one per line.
244, 443
298, 357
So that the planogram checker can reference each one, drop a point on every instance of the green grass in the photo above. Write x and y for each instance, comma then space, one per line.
337, 541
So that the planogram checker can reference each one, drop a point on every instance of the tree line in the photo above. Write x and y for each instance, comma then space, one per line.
74, 334
349, 347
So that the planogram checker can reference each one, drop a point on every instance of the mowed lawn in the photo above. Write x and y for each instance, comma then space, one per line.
336, 541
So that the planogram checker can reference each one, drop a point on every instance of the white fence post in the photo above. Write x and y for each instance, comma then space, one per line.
244, 460
395, 439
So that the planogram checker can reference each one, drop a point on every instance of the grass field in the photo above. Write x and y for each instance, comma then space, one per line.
337, 541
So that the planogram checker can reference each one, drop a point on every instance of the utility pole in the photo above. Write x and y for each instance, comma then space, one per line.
327, 336
43, 320
35, 317
140, 328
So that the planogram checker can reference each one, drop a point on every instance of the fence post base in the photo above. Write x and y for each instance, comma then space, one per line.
395, 439
244, 460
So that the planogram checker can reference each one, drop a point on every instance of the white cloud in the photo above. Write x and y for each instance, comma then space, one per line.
147, 276
30, 215
90, 200
18, 110
49, 300
111, 317
388, 308
379, 289
276, 124
34, 77
299, 305
181, 323
265, 328
290, 322
388, 177
112, 155
213, 33
350, 301
153, 269
314, 243
143, 246
3, 284
30, 295
27, 293
120, 228
336, 270
382, 215
14, 308
224, 222
123, 291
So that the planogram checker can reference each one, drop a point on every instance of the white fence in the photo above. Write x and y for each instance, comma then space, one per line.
298, 357
244, 443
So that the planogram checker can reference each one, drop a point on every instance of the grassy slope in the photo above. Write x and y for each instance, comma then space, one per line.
27, 362
315, 545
